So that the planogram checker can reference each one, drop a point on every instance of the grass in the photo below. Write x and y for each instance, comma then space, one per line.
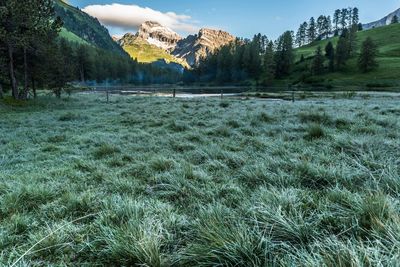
200, 182
385, 76
147, 53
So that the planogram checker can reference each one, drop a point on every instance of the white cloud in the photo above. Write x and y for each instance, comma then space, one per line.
129, 17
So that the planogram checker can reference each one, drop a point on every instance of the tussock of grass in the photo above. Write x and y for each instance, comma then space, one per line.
105, 150
185, 184
69, 117
315, 131
315, 117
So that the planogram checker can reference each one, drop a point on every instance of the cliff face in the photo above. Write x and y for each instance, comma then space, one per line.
195, 47
156, 34
189, 50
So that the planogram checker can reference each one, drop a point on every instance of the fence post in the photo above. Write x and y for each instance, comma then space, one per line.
108, 98
293, 96
222, 93
174, 93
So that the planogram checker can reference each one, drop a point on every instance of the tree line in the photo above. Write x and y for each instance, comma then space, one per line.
33, 55
264, 61
324, 27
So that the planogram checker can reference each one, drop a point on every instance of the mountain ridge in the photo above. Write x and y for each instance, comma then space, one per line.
187, 51
383, 21
84, 28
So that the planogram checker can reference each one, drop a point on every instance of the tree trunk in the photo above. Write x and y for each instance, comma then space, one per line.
26, 83
34, 87
13, 80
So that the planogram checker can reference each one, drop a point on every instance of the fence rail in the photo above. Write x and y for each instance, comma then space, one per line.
289, 93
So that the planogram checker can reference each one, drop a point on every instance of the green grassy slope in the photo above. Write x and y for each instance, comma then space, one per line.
388, 40
200, 182
85, 27
147, 53
72, 37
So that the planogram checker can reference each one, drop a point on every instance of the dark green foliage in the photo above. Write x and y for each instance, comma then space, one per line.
342, 52
317, 67
284, 56
330, 54
367, 59
395, 19
311, 30
86, 27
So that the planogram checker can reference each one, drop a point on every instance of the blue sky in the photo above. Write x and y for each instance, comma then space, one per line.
241, 18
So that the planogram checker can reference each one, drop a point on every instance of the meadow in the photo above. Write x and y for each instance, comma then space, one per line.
154, 181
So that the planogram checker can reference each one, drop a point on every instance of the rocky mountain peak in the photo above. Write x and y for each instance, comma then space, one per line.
158, 35
195, 47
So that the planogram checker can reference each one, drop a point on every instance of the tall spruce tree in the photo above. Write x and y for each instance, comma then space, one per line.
336, 21
330, 54
317, 67
367, 59
284, 55
320, 26
269, 66
355, 16
342, 52
344, 17
312, 30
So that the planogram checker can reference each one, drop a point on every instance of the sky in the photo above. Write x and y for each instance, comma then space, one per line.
241, 18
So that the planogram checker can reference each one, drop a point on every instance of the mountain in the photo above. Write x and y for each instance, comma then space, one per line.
154, 42
382, 22
156, 34
82, 28
151, 45
195, 47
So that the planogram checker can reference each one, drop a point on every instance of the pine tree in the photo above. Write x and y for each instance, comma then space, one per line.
344, 15
330, 54
342, 52
284, 56
367, 59
317, 67
395, 19
327, 27
24, 22
312, 30
320, 26
355, 16
269, 66
336, 21
299, 40
303, 33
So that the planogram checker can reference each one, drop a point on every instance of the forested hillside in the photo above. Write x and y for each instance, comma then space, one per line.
85, 27
323, 53
39, 51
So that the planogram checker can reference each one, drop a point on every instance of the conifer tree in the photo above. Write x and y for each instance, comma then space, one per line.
330, 55
312, 30
317, 67
342, 52
367, 59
